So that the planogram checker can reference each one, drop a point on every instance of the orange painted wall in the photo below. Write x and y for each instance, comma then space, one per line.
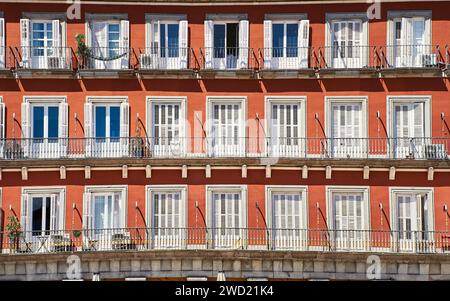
377, 90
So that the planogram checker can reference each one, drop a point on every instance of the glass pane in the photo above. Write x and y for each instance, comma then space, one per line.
114, 122
100, 122
162, 39
38, 122
37, 215
47, 214
99, 212
219, 41
53, 122
277, 39
172, 39
291, 40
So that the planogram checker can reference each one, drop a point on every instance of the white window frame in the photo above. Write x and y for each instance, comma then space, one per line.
393, 100
243, 218
363, 100
301, 101
41, 190
429, 191
122, 189
182, 102
2, 123
176, 240
354, 243
393, 16
242, 101
333, 17
303, 191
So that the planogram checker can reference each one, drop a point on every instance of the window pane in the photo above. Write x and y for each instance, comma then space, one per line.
162, 39
100, 122
53, 122
38, 122
291, 40
99, 212
37, 215
277, 39
219, 41
172, 39
47, 214
115, 122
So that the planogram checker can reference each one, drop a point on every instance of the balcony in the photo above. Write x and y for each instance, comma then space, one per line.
107, 62
6, 62
167, 63
287, 62
227, 147
200, 238
227, 62
44, 62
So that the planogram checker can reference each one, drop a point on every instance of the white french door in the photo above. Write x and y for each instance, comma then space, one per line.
410, 38
349, 230
347, 45
288, 227
167, 220
226, 137
285, 131
107, 132
413, 222
106, 51
45, 142
347, 132
42, 44
166, 130
227, 228
409, 130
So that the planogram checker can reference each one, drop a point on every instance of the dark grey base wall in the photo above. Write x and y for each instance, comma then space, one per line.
235, 264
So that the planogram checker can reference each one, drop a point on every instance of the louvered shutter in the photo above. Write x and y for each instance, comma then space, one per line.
2, 121
25, 42
57, 51
418, 120
125, 43
184, 50
54, 218
209, 29
63, 125
406, 42
243, 44
25, 217
267, 43
303, 43
124, 120
87, 211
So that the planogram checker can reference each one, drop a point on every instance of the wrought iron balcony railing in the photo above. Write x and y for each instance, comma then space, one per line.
166, 58
200, 238
107, 58
347, 57
61, 58
216, 147
286, 58
412, 56
227, 58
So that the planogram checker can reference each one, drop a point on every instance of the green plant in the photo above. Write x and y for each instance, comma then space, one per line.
83, 50
76, 233
14, 230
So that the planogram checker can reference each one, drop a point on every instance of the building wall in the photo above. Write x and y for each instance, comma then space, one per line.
196, 91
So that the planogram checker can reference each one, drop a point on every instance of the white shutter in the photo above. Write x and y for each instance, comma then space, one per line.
155, 38
406, 41
26, 120
25, 213
209, 29
56, 38
54, 219
87, 211
418, 214
243, 44
63, 121
267, 43
25, 41
418, 120
88, 122
124, 120
2, 121
2, 44
336, 121
183, 28
125, 42
303, 43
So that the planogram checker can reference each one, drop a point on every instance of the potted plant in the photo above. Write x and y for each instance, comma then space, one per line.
13, 229
83, 50
76, 233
